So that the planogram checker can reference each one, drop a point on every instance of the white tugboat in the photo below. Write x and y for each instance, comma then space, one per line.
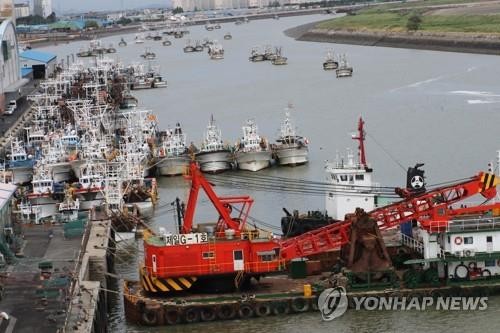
290, 149
352, 181
214, 156
173, 155
252, 152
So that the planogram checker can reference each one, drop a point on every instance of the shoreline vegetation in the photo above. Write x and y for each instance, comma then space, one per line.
442, 25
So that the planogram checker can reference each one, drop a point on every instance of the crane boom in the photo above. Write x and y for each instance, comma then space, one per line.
425, 206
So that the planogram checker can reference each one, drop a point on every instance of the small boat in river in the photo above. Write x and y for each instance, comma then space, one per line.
228, 36
279, 59
122, 42
189, 47
330, 62
344, 69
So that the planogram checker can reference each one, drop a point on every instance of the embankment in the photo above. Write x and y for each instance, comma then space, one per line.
452, 42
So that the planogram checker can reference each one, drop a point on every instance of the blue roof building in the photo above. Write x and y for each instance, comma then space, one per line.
42, 63
38, 56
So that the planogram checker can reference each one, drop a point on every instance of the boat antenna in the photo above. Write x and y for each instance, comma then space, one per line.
361, 142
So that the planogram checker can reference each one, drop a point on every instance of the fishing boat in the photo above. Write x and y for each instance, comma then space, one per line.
344, 70
139, 39
214, 156
198, 46
252, 151
216, 52
217, 26
55, 157
189, 47
209, 27
157, 37
290, 149
111, 49
148, 54
256, 55
128, 101
42, 196
166, 42
178, 34
20, 163
173, 154
269, 53
228, 36
330, 62
279, 59
122, 42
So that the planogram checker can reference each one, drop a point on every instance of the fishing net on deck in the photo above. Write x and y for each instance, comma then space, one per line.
75, 228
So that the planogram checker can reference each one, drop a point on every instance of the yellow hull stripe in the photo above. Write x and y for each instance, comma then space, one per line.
173, 284
158, 283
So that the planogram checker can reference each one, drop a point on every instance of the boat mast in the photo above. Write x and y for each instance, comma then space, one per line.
361, 142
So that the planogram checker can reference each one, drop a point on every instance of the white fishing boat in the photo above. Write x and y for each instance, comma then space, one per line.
290, 149
20, 163
173, 155
252, 152
344, 69
214, 156
42, 196
330, 62
189, 47
56, 159
139, 39
215, 51
279, 59
148, 54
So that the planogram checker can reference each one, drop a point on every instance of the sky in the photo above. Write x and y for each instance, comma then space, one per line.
98, 5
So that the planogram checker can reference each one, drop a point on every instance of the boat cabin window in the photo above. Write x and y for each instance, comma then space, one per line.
360, 177
343, 178
267, 257
489, 263
468, 240
208, 255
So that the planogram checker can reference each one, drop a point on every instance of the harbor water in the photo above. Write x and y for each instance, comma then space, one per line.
438, 108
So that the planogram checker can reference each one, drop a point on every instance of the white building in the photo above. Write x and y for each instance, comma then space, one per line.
22, 9
10, 73
42, 7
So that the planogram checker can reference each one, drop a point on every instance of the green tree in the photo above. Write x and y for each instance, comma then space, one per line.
414, 22
52, 18
91, 24
177, 10
124, 21
275, 3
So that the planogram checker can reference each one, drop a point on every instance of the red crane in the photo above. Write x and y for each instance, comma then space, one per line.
426, 208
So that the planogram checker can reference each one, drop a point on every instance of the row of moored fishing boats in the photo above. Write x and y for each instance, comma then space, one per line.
252, 152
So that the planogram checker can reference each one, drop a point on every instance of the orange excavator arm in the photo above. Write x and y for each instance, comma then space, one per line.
221, 204
422, 207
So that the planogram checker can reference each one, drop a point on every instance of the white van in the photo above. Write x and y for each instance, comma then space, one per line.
11, 108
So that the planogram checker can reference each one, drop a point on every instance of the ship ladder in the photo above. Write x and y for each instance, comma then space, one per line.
212, 257
238, 278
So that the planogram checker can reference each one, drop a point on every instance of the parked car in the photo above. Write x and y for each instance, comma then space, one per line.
11, 107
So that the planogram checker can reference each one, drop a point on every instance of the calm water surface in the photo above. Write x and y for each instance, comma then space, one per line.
419, 106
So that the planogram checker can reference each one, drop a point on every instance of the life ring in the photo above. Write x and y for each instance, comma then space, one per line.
458, 240
191, 315
207, 314
245, 311
226, 311
299, 304
172, 316
149, 317
281, 308
262, 309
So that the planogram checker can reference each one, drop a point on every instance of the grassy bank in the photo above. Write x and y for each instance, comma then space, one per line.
396, 21
394, 17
